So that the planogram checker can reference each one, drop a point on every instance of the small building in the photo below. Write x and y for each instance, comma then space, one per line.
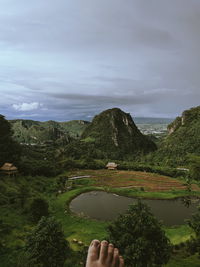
111, 166
9, 168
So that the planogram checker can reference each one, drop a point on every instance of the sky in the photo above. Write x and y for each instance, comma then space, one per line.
63, 60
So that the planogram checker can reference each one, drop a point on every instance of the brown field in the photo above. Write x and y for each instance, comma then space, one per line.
151, 182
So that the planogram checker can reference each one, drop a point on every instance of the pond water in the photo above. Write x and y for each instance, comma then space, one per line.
106, 206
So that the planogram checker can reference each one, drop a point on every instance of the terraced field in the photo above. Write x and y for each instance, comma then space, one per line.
150, 182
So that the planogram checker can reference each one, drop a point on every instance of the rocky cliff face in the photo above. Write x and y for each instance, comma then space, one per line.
187, 117
172, 127
115, 132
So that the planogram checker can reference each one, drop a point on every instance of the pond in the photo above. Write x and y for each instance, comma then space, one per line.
106, 206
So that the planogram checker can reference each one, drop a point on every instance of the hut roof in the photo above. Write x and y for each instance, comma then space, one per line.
111, 164
8, 167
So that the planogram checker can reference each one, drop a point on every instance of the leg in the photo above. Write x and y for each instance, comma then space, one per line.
103, 255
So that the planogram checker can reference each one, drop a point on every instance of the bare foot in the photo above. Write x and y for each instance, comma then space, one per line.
103, 255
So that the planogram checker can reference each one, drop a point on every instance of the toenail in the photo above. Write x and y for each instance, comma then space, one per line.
111, 245
116, 250
95, 243
104, 242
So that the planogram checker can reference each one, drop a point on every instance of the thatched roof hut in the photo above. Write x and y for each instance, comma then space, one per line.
8, 168
111, 166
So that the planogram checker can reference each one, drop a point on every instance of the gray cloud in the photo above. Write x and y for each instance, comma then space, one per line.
77, 57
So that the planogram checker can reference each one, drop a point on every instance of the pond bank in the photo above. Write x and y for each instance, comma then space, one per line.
87, 229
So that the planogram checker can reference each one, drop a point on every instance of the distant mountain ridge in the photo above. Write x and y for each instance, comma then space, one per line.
36, 132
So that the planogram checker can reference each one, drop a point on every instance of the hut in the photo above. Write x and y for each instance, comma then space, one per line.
9, 168
111, 166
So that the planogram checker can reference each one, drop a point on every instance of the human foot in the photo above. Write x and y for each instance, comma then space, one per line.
103, 255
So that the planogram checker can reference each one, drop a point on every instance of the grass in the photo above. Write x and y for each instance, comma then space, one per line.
179, 234
76, 227
180, 260
85, 230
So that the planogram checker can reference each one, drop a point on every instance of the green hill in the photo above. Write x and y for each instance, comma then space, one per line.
183, 137
115, 133
75, 127
36, 132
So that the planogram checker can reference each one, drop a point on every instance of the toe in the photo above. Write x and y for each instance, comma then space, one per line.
115, 262
121, 261
110, 253
93, 251
103, 251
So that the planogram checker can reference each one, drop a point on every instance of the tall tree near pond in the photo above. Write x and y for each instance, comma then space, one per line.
38, 208
194, 243
140, 237
194, 166
9, 149
46, 245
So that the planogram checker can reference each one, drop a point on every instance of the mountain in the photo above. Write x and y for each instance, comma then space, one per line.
183, 137
114, 132
36, 132
75, 127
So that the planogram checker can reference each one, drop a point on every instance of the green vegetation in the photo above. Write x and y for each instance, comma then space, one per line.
142, 240
183, 139
46, 245
38, 208
52, 152
194, 223
48, 132
115, 135
75, 128
16, 220
39, 133
9, 149
179, 234
194, 165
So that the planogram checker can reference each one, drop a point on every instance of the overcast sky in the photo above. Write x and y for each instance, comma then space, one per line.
71, 59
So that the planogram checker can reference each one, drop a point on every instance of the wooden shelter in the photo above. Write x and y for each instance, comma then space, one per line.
111, 166
9, 168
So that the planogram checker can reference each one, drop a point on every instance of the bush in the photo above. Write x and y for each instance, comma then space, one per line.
38, 208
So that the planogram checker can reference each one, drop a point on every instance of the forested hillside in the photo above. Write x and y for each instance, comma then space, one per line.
183, 138
115, 133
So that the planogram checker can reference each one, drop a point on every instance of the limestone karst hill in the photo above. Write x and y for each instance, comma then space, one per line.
183, 137
114, 132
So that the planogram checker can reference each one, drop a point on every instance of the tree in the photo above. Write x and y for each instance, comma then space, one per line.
194, 223
9, 149
38, 208
194, 167
140, 237
23, 194
46, 245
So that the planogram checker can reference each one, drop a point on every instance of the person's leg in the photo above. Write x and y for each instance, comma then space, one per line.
103, 255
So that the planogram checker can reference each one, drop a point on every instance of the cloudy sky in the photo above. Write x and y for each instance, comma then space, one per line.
67, 59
